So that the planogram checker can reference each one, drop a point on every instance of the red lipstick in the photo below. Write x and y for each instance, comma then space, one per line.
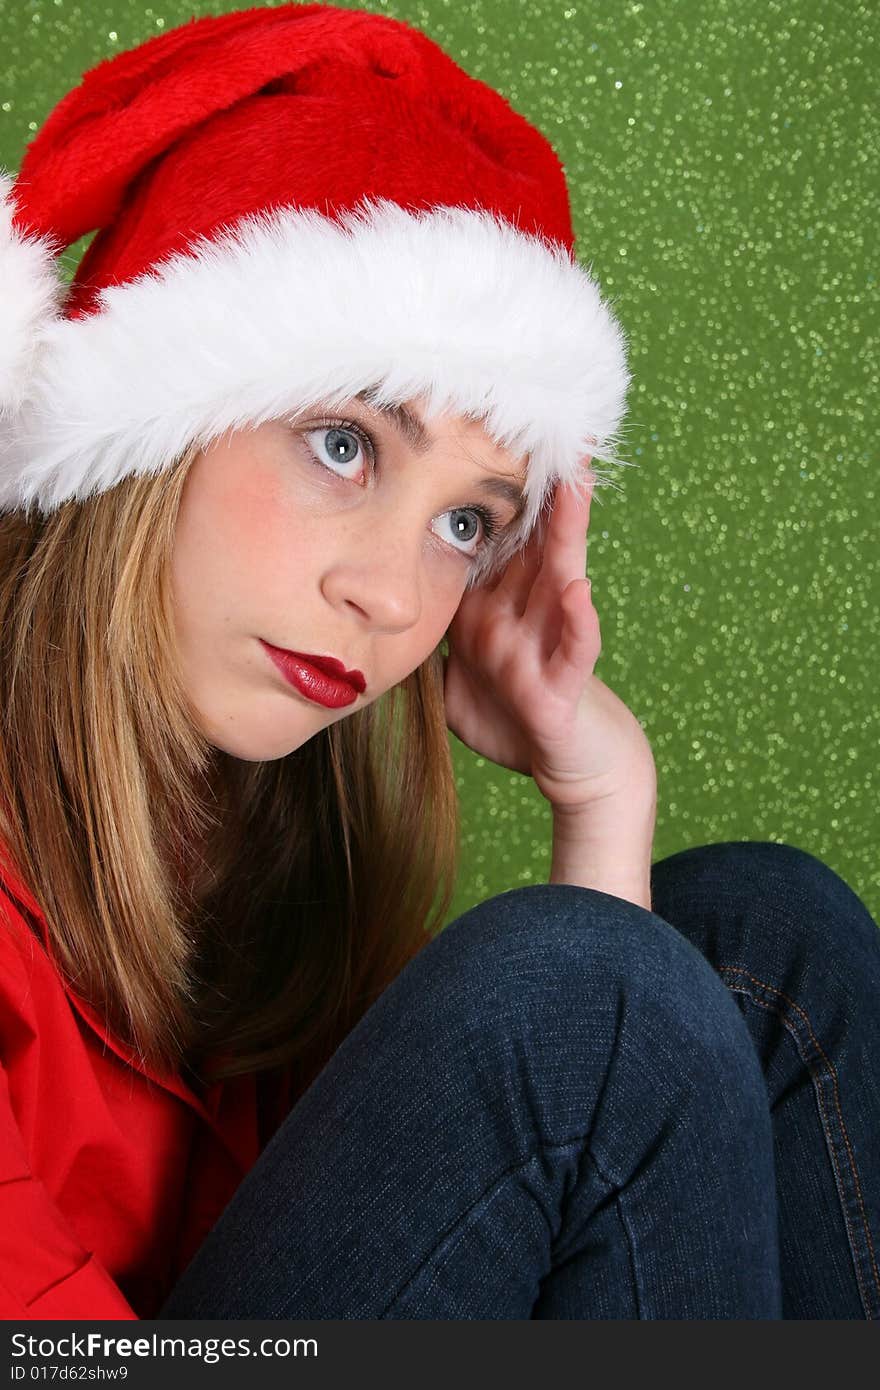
320, 678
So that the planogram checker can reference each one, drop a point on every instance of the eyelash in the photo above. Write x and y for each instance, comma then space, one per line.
490, 521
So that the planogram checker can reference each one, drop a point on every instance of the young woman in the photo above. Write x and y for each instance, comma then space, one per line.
294, 423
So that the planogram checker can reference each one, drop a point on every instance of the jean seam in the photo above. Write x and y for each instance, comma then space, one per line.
796, 1027
577, 1139
615, 1190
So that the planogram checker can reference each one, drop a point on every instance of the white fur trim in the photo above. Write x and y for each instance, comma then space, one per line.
290, 308
31, 295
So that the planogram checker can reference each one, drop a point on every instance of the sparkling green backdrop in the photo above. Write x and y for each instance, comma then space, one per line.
722, 162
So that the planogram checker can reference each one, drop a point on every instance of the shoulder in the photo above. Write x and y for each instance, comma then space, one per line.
16, 933
22, 955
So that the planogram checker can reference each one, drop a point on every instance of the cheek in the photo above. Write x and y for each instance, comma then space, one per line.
232, 546
260, 544
441, 608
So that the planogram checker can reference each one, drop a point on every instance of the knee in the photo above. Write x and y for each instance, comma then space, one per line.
551, 952
798, 897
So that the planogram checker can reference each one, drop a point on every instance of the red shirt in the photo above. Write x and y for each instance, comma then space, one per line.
110, 1175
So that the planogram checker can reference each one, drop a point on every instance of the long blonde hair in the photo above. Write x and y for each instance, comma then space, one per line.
223, 916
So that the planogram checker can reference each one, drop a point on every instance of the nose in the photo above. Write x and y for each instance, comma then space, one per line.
379, 575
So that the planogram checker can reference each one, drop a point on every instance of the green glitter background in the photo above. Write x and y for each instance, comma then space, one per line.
722, 163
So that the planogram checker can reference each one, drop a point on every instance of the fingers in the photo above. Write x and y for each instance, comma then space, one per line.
580, 643
565, 553
554, 553
513, 587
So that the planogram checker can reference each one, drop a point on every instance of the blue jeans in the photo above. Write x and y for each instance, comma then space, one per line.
569, 1107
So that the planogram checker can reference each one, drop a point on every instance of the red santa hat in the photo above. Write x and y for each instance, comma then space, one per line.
292, 205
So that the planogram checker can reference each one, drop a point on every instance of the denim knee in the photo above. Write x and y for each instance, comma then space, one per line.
525, 959
808, 916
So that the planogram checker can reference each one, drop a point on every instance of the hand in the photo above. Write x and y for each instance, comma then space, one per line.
519, 685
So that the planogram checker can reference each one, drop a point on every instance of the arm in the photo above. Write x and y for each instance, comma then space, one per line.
611, 851
520, 689
44, 1271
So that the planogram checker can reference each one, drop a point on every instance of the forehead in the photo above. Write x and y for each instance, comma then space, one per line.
408, 419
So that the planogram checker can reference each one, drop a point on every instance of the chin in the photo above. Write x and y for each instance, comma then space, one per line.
249, 753
254, 745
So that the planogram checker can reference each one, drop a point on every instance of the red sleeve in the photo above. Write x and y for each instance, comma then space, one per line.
44, 1271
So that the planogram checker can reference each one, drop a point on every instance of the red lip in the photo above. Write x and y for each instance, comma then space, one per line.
332, 667
319, 678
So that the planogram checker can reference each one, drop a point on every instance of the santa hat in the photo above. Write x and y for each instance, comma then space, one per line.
292, 205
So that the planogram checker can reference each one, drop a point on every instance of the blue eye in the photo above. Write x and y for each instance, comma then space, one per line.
342, 452
339, 450
459, 516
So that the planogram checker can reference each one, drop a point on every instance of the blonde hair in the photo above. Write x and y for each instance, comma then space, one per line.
223, 916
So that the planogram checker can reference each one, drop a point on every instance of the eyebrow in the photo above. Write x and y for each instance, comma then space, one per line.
415, 433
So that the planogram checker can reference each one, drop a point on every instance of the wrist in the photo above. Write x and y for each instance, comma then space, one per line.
607, 847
